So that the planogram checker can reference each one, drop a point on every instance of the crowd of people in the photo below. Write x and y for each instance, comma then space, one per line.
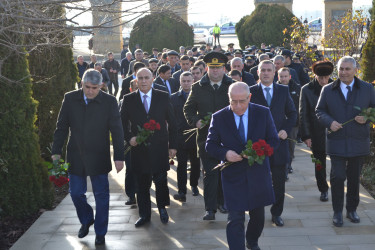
256, 94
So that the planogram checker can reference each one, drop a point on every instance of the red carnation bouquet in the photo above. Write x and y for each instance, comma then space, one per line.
317, 162
254, 152
57, 171
145, 132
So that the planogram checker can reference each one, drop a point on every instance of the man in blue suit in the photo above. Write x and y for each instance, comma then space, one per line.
245, 188
284, 114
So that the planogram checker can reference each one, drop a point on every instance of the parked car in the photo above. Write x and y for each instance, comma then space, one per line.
315, 25
202, 36
228, 28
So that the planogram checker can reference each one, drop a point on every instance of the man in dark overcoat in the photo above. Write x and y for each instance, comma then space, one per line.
150, 162
284, 114
312, 132
209, 95
341, 101
246, 188
88, 115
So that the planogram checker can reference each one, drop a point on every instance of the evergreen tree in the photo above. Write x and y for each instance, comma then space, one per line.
368, 56
24, 185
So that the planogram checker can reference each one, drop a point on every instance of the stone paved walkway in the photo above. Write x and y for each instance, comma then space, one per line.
307, 221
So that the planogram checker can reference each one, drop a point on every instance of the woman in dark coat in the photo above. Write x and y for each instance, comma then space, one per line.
312, 132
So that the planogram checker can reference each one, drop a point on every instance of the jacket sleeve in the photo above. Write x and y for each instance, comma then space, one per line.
117, 132
172, 126
322, 107
214, 146
62, 128
290, 113
191, 108
305, 123
125, 120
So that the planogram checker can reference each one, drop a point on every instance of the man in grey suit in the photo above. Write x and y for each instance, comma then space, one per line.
346, 144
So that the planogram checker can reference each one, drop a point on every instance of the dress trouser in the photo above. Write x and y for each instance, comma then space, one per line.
321, 173
130, 178
278, 182
143, 195
217, 36
213, 193
113, 81
236, 228
182, 158
100, 187
345, 168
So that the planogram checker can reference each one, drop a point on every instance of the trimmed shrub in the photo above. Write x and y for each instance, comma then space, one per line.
368, 56
24, 185
265, 25
161, 30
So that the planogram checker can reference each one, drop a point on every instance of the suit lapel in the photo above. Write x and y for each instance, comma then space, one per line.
249, 123
260, 95
153, 101
139, 104
275, 95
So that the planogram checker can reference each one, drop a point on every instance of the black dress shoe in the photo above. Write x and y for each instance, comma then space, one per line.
164, 217
141, 221
99, 240
195, 191
324, 196
337, 219
278, 221
84, 230
290, 170
254, 247
353, 217
131, 201
209, 215
222, 209
180, 197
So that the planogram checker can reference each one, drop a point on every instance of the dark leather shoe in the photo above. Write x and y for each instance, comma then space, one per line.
278, 221
180, 197
324, 196
337, 219
99, 240
209, 215
195, 191
164, 217
84, 230
141, 221
222, 209
290, 170
131, 201
254, 247
353, 217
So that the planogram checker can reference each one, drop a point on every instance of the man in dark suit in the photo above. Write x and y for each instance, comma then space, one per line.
185, 66
246, 188
125, 62
166, 80
172, 57
237, 64
254, 70
150, 162
346, 145
89, 115
284, 114
126, 82
186, 149
209, 95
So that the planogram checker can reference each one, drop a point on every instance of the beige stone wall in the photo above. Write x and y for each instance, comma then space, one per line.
331, 10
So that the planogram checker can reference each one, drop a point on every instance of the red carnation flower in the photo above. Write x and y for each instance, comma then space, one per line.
318, 167
262, 142
256, 146
157, 126
52, 178
269, 151
259, 152
146, 126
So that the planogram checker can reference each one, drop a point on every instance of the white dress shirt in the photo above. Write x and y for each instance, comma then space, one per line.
245, 120
265, 91
345, 90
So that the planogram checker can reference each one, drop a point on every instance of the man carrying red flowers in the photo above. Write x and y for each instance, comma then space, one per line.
245, 187
150, 109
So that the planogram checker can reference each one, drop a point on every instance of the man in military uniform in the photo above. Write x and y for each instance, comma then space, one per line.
209, 95
303, 77
230, 48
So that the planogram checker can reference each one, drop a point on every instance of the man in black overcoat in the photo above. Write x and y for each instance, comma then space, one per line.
88, 115
150, 162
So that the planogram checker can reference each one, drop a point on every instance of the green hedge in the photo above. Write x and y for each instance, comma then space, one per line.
24, 185
368, 56
265, 25
161, 30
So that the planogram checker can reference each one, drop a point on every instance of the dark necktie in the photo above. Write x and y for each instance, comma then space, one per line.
268, 95
145, 104
349, 92
88, 101
241, 130
216, 86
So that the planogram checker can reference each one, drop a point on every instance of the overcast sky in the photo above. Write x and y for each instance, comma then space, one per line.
209, 12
